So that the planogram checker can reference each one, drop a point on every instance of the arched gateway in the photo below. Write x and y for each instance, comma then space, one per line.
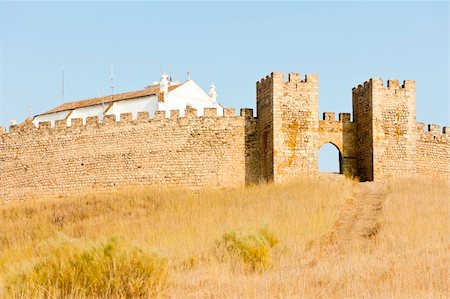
341, 133
330, 158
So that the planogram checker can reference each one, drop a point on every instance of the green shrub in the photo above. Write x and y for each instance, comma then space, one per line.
253, 248
103, 269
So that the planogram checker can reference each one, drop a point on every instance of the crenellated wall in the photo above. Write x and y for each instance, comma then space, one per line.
191, 151
383, 140
433, 150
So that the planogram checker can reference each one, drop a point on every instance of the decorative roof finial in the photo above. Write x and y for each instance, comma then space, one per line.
212, 93
164, 85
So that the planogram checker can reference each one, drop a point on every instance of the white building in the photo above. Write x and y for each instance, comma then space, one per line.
163, 96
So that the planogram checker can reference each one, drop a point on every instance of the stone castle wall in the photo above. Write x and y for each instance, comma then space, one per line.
383, 140
188, 151
433, 151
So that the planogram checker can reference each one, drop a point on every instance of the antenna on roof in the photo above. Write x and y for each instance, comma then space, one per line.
62, 88
112, 79
188, 73
103, 100
30, 111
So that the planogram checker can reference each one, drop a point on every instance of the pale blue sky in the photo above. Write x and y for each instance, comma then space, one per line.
230, 44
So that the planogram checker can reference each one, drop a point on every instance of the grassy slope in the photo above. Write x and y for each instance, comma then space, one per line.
409, 257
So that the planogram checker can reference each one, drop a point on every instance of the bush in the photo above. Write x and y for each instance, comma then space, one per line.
102, 269
253, 248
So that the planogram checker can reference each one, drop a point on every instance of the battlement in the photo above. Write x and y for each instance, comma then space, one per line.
296, 78
344, 117
330, 117
279, 77
93, 122
246, 112
432, 131
392, 84
267, 80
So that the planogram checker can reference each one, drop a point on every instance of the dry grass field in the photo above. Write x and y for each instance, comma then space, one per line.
315, 238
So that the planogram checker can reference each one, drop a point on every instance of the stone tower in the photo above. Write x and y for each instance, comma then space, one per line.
385, 120
288, 125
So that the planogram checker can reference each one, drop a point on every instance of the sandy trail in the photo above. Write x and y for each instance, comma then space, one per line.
359, 219
358, 222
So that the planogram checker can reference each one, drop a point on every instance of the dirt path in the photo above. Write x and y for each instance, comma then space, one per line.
358, 221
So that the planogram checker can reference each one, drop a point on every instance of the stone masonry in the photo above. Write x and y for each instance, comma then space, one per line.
282, 142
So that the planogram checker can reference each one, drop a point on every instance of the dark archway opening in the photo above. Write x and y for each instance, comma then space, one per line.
330, 159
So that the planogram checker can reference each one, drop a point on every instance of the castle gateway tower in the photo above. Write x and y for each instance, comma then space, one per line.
383, 140
291, 133
385, 118
288, 125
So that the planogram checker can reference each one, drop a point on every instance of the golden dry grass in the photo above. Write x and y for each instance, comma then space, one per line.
409, 257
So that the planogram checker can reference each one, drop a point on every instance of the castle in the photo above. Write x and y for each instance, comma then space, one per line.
209, 148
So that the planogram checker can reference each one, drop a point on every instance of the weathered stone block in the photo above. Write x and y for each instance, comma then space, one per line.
229, 112
143, 116
126, 117
210, 112
45, 124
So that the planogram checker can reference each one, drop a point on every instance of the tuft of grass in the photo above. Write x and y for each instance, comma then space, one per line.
351, 175
102, 269
253, 248
268, 235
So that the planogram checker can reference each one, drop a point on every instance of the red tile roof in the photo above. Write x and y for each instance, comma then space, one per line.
152, 90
